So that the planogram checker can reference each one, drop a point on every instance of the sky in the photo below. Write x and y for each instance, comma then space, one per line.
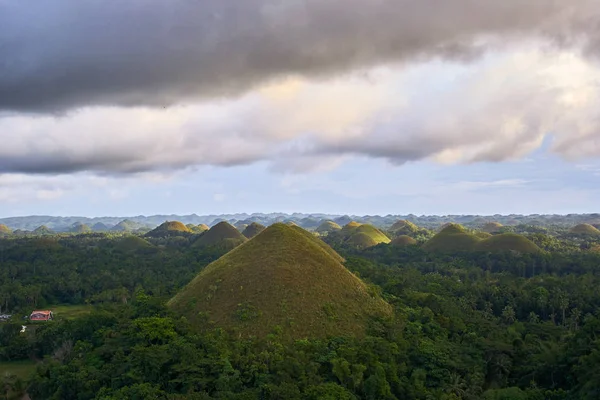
118, 108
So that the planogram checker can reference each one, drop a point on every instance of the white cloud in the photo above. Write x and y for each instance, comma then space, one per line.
500, 108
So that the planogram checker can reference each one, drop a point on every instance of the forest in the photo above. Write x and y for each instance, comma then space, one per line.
465, 324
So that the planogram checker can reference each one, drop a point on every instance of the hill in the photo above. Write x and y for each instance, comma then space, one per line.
5, 230
253, 229
349, 227
126, 225
100, 227
281, 278
197, 228
80, 228
170, 228
508, 242
328, 226
403, 240
365, 236
223, 235
492, 227
43, 230
452, 238
403, 227
584, 229
131, 244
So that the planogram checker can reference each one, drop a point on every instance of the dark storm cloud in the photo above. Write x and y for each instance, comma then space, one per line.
63, 54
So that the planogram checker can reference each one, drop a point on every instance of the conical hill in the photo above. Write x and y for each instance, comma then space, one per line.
327, 227
43, 230
584, 229
452, 238
253, 229
169, 228
492, 227
223, 235
403, 227
403, 241
508, 242
281, 278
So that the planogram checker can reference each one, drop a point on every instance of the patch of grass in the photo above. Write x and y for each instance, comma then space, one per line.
22, 368
287, 275
70, 311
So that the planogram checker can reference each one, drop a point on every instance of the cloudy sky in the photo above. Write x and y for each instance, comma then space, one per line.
341, 106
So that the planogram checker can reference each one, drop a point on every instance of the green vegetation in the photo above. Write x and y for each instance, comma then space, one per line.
170, 228
126, 225
452, 238
403, 240
482, 235
327, 226
404, 227
5, 230
253, 229
22, 369
357, 236
80, 228
280, 317
70, 311
492, 227
223, 236
130, 244
43, 230
284, 278
585, 229
508, 242
350, 227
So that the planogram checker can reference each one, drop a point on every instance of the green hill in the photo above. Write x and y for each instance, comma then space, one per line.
253, 229
281, 278
223, 235
328, 226
403, 240
80, 228
349, 227
403, 227
99, 227
492, 227
584, 229
126, 225
170, 228
508, 242
43, 230
452, 238
5, 230
130, 244
365, 236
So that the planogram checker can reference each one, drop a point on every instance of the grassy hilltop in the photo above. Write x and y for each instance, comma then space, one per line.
284, 277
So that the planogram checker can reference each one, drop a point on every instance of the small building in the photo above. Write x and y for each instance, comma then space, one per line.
44, 315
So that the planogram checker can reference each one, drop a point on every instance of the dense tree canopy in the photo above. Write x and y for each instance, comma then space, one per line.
466, 325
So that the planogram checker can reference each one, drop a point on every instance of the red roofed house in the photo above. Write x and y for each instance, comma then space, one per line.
41, 316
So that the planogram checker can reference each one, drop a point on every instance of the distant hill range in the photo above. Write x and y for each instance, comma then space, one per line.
307, 221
